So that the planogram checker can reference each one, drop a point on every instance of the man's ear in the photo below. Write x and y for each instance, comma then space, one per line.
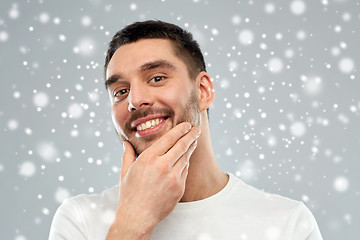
206, 92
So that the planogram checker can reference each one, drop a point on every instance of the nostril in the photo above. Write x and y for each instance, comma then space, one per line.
131, 108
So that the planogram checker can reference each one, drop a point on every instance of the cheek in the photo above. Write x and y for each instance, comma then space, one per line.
118, 115
175, 96
172, 100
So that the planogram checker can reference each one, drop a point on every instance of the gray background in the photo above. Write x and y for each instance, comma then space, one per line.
285, 117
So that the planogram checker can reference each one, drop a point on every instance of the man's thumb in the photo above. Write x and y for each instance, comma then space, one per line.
128, 158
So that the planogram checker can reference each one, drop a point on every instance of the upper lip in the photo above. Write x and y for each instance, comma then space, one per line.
139, 121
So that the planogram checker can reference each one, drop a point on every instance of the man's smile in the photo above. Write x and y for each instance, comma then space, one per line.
152, 129
148, 125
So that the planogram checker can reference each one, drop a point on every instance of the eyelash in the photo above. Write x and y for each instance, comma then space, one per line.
116, 93
159, 78
162, 78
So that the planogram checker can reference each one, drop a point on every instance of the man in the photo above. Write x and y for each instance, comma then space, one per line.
171, 186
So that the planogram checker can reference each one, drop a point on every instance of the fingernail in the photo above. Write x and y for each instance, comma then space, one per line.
123, 146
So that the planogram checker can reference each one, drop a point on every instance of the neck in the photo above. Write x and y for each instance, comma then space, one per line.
204, 177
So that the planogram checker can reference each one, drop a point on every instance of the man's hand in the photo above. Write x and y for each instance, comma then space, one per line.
151, 186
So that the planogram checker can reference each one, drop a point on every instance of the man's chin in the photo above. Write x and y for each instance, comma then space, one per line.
140, 148
141, 145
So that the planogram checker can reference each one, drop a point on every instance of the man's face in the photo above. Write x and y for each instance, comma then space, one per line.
150, 91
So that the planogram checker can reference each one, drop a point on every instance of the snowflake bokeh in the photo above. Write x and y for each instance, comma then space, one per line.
286, 118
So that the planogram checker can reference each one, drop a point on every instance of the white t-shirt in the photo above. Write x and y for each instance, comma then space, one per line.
238, 211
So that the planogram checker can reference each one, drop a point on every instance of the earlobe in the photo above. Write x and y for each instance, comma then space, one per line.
206, 91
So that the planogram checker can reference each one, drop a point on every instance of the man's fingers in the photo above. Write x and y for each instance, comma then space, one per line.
128, 158
183, 145
182, 165
184, 175
168, 140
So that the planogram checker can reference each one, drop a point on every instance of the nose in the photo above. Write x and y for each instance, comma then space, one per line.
139, 97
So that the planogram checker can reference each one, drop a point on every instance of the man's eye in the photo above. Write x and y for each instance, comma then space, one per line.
156, 79
121, 92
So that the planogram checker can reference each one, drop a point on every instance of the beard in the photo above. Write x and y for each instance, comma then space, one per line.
189, 113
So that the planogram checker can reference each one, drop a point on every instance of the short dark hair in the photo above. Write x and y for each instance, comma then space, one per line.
186, 48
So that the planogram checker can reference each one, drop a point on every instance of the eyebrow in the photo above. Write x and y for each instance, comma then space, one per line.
156, 64
146, 66
114, 78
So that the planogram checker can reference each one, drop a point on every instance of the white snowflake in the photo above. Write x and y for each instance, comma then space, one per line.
298, 7
61, 194
4, 36
341, 184
86, 21
14, 12
41, 99
275, 65
270, 8
44, 17
298, 129
346, 65
75, 111
246, 37
27, 169
47, 151
247, 170
12, 124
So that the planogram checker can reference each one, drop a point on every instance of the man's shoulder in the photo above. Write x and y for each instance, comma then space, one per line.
85, 215
264, 209
106, 199
251, 196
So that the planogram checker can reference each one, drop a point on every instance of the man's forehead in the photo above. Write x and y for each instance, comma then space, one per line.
144, 54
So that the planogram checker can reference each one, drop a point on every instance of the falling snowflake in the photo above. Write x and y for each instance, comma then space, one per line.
346, 65
61, 194
246, 37
75, 111
247, 170
270, 8
4, 36
44, 17
85, 47
298, 7
41, 99
236, 20
86, 21
275, 65
313, 85
341, 184
14, 12
12, 124
298, 129
27, 169
133, 6
47, 151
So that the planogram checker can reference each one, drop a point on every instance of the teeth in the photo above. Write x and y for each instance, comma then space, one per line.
149, 124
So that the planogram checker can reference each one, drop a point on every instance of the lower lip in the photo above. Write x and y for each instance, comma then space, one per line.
150, 130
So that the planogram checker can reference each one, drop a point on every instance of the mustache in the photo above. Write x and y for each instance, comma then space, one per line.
146, 112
